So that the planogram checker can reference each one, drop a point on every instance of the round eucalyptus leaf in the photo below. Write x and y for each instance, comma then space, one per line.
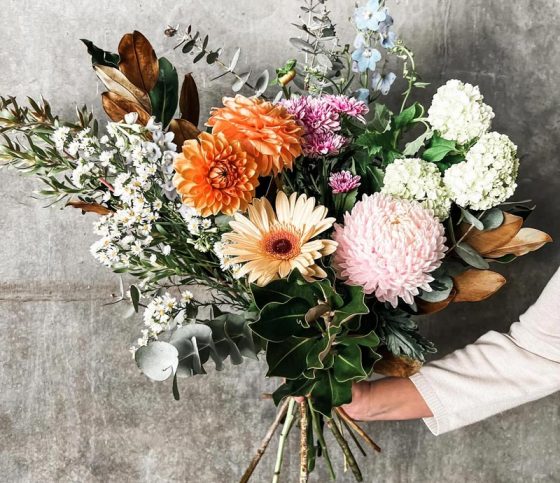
492, 219
158, 360
262, 83
240, 82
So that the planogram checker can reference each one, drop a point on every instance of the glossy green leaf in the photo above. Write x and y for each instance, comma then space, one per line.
279, 321
355, 305
288, 358
100, 56
439, 149
348, 364
135, 296
165, 95
327, 393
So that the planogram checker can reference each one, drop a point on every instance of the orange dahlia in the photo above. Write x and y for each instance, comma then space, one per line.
265, 130
214, 174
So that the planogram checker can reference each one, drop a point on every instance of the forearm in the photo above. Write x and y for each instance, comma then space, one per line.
387, 399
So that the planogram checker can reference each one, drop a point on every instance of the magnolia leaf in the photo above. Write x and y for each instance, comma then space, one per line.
490, 240
348, 364
138, 61
288, 358
354, 306
100, 56
117, 107
183, 130
115, 81
284, 290
366, 340
158, 360
292, 387
470, 256
165, 95
396, 366
189, 103
424, 308
527, 240
476, 285
89, 207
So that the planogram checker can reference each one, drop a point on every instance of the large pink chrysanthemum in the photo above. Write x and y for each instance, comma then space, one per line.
389, 247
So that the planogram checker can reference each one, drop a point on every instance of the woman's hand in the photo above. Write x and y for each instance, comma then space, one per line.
388, 399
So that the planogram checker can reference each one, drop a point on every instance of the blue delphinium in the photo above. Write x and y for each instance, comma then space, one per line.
382, 82
388, 37
369, 16
366, 57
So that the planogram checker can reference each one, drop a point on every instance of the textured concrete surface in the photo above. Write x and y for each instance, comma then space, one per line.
73, 407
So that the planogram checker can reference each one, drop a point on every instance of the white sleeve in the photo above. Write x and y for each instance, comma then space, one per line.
497, 372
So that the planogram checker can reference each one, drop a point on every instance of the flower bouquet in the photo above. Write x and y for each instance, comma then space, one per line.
319, 221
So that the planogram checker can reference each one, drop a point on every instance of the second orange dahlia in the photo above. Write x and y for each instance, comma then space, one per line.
214, 174
265, 130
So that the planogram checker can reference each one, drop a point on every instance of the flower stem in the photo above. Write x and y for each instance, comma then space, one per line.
345, 449
303, 443
264, 443
319, 431
350, 422
288, 423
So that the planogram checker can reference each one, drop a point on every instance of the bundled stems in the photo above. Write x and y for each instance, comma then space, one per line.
303, 442
283, 436
345, 449
266, 440
350, 422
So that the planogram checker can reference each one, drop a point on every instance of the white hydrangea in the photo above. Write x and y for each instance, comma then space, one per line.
487, 177
458, 113
419, 180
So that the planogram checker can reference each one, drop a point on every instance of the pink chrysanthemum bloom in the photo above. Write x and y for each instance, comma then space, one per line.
343, 182
389, 247
321, 119
348, 105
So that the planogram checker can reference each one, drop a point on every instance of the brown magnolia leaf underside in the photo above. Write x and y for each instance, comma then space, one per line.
115, 81
89, 207
189, 103
138, 61
117, 107
425, 308
183, 131
476, 285
396, 366
527, 240
487, 241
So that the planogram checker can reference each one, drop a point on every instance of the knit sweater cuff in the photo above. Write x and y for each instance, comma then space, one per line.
439, 423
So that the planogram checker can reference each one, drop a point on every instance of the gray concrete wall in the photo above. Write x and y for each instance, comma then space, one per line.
73, 407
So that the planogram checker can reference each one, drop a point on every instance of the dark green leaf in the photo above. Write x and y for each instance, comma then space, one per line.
165, 95
439, 149
381, 121
100, 56
354, 305
279, 321
407, 116
135, 297
348, 364
288, 358
328, 393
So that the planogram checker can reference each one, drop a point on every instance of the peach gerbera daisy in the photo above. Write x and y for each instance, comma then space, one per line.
214, 174
265, 130
270, 245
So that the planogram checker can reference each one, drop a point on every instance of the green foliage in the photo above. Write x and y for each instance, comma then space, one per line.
400, 334
100, 56
439, 148
165, 95
470, 256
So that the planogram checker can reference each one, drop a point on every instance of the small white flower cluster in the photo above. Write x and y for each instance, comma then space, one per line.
225, 264
419, 180
487, 177
458, 113
202, 230
84, 147
126, 233
161, 314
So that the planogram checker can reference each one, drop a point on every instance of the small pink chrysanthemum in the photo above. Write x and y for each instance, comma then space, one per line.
348, 105
389, 247
343, 182
321, 119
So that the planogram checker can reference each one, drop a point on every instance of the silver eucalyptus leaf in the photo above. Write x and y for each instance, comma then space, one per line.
234, 60
158, 360
262, 83
241, 81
